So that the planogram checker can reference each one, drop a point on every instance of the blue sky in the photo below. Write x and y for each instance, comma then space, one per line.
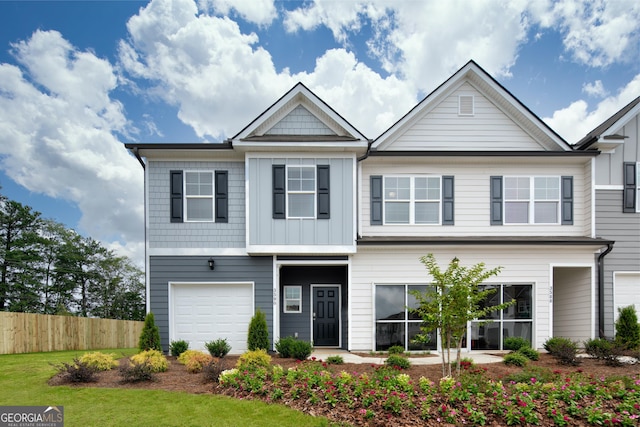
80, 78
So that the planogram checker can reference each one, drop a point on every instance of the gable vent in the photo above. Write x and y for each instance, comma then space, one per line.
465, 105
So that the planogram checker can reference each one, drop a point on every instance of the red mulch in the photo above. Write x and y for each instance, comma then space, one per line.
176, 378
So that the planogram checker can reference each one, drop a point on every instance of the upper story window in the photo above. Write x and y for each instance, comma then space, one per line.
532, 200
301, 191
198, 196
637, 187
412, 200
198, 191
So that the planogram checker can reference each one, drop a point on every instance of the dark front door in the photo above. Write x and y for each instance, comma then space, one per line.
326, 316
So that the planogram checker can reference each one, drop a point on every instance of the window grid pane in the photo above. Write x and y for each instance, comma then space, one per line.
301, 186
199, 196
412, 200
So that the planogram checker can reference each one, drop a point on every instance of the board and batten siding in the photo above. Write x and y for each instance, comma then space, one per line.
195, 269
442, 128
624, 229
338, 230
162, 233
521, 265
472, 196
609, 163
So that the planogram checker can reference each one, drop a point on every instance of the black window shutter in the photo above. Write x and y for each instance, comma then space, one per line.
324, 206
222, 199
175, 196
567, 200
496, 200
279, 192
447, 200
376, 200
629, 190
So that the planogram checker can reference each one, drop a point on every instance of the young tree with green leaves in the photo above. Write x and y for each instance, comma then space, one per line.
454, 299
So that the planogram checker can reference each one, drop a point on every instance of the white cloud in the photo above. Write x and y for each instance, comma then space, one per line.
261, 12
595, 89
596, 33
575, 121
57, 135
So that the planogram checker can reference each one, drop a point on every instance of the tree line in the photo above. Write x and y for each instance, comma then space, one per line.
49, 269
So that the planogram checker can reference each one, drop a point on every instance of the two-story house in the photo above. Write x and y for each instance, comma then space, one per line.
303, 217
617, 211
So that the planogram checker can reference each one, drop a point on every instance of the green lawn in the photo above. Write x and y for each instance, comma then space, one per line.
23, 381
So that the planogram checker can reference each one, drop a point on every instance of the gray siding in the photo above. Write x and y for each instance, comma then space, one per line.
164, 234
624, 229
609, 164
338, 230
300, 323
165, 269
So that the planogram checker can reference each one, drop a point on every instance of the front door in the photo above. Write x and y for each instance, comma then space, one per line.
326, 316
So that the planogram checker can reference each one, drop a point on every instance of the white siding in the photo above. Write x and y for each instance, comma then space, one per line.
442, 128
521, 264
573, 304
472, 178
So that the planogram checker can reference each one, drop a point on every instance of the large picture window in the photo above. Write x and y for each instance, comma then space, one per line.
301, 191
395, 325
532, 200
198, 187
514, 321
412, 199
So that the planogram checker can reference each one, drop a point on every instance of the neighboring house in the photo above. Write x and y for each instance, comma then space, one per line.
617, 210
303, 217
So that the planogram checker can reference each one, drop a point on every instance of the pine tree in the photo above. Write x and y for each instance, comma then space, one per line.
150, 336
258, 337
627, 328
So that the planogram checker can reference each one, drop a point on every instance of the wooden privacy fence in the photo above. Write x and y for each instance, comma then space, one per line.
28, 333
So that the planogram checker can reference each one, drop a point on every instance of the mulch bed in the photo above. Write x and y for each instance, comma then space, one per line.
176, 378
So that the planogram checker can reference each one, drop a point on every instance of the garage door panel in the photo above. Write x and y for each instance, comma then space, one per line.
205, 312
627, 291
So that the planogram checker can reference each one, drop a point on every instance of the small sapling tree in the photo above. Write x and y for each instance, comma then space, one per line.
454, 299
150, 336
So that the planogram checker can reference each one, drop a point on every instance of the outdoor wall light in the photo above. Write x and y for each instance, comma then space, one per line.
211, 264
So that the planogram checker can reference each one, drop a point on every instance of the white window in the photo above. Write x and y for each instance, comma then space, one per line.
412, 200
293, 299
532, 200
301, 191
198, 192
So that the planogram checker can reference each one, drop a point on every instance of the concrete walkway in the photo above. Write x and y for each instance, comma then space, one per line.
433, 359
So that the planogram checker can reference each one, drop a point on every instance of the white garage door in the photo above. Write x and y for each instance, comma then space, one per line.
205, 312
627, 291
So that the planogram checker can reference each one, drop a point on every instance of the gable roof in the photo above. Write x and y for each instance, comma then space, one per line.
607, 129
545, 137
300, 117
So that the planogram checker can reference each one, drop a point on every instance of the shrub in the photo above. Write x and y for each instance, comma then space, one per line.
604, 349
176, 348
254, 359
627, 328
77, 372
293, 347
397, 361
212, 370
218, 348
150, 336
100, 361
138, 372
396, 349
515, 343
258, 336
153, 358
563, 349
194, 360
335, 360
516, 359
529, 353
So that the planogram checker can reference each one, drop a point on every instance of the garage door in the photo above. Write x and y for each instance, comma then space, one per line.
206, 312
627, 291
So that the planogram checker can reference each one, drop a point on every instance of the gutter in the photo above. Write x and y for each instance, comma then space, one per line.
135, 152
601, 289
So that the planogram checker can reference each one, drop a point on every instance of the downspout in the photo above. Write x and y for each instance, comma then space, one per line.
601, 289
135, 152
